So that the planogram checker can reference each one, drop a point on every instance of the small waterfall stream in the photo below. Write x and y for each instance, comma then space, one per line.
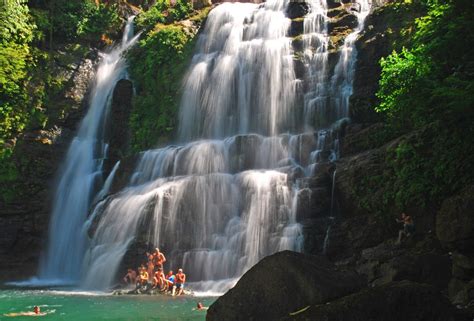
81, 173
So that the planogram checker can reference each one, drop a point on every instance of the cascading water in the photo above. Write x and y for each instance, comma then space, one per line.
224, 198
81, 173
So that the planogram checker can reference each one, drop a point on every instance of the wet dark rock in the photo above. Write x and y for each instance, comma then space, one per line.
455, 221
297, 9
119, 118
124, 173
313, 203
360, 137
343, 20
406, 301
282, 283
296, 27
333, 4
350, 172
463, 266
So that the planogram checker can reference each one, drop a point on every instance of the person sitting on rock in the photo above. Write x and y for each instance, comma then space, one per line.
142, 277
131, 277
159, 258
408, 227
170, 278
159, 280
179, 283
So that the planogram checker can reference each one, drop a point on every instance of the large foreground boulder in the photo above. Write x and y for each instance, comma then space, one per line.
405, 301
283, 283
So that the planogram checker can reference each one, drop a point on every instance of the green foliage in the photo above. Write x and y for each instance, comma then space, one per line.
16, 32
157, 65
428, 88
162, 11
96, 20
69, 20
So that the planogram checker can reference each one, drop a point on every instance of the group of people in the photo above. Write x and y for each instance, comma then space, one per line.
153, 277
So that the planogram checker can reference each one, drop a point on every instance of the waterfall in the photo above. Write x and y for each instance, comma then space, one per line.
226, 195
80, 176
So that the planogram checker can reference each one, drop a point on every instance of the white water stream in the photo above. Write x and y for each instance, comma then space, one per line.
81, 174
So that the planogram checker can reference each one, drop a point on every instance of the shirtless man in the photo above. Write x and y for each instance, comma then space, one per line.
131, 277
408, 227
159, 280
179, 283
159, 258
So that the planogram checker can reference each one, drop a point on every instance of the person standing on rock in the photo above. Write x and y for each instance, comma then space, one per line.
408, 227
159, 258
150, 267
180, 279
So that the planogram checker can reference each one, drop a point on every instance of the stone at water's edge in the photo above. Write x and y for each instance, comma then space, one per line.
283, 283
405, 301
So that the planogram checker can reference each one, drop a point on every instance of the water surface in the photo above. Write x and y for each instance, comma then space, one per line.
75, 306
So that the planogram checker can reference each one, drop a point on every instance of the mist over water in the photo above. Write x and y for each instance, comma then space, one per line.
226, 196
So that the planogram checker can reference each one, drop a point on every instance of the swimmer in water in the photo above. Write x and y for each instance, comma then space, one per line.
35, 313
200, 307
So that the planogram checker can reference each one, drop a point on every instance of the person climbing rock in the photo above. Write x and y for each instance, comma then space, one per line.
408, 227
131, 277
179, 283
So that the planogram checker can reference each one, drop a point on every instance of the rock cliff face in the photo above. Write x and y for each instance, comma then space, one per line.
38, 154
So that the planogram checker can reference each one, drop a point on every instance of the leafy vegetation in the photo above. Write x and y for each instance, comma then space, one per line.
30, 80
427, 89
157, 65
163, 12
